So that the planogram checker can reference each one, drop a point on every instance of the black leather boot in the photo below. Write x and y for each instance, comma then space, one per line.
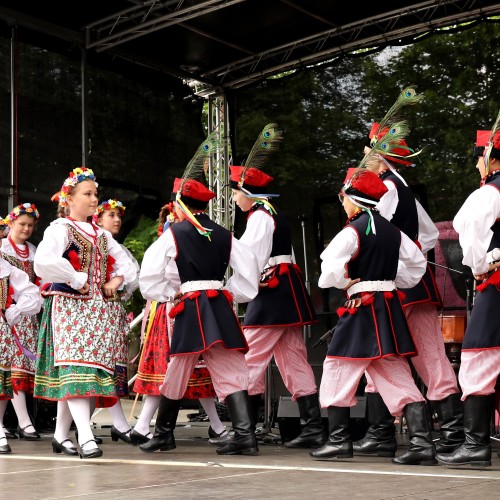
421, 450
163, 438
380, 439
450, 413
244, 441
476, 449
313, 433
339, 444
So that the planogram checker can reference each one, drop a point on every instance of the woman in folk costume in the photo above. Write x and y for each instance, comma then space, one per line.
420, 303
154, 360
18, 298
76, 347
109, 216
478, 228
205, 323
18, 251
370, 258
274, 319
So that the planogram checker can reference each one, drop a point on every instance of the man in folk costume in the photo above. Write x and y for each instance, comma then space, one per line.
274, 319
205, 322
478, 227
370, 259
420, 303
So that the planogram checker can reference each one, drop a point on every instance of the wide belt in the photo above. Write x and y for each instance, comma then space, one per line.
371, 286
193, 286
278, 259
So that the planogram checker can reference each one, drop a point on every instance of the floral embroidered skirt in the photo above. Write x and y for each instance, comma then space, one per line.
7, 350
23, 368
76, 353
154, 361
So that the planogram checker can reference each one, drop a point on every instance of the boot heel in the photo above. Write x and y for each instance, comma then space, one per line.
55, 449
114, 438
428, 462
250, 451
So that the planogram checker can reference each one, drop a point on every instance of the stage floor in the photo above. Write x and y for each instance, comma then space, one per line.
194, 470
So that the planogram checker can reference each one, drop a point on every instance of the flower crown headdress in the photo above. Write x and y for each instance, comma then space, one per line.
23, 209
3, 224
110, 204
77, 175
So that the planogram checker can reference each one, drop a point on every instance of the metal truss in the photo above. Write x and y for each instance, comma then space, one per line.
408, 22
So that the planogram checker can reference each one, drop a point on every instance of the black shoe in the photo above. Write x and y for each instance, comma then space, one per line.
163, 438
339, 444
58, 447
97, 440
221, 439
10, 433
244, 441
92, 453
138, 438
124, 436
5, 448
29, 436
421, 450
380, 439
313, 433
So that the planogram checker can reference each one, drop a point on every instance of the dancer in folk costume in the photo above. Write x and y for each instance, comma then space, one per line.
18, 251
478, 227
18, 298
274, 319
372, 333
154, 360
205, 322
109, 216
85, 267
420, 303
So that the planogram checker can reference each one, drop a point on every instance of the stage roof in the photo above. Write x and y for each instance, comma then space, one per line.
229, 44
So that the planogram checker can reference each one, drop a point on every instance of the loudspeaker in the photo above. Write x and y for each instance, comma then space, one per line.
289, 419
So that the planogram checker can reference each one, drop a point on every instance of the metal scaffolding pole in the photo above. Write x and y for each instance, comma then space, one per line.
12, 197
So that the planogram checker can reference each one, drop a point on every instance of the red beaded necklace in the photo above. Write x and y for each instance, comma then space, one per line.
23, 254
92, 236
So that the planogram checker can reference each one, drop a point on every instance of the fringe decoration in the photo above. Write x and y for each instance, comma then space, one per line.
494, 280
212, 293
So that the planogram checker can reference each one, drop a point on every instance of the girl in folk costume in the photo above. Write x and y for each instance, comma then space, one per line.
20, 253
76, 347
478, 228
18, 298
274, 319
109, 216
370, 258
420, 303
154, 360
205, 323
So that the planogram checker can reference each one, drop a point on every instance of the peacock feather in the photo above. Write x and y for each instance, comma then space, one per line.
386, 144
196, 168
407, 97
495, 129
266, 144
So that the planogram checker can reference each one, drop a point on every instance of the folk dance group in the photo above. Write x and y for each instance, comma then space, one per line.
77, 355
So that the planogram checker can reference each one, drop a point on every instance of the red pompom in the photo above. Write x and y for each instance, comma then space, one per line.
352, 310
228, 295
193, 295
369, 300
212, 293
283, 269
388, 295
9, 300
176, 309
273, 282
341, 311
494, 280
110, 267
74, 260
401, 295
38, 280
